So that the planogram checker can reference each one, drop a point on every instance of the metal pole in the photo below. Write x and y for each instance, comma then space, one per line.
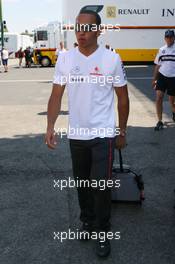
2, 25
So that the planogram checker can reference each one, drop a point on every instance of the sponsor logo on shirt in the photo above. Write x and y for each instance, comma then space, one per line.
96, 72
75, 70
167, 57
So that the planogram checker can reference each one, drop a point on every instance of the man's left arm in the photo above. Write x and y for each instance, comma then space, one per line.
123, 113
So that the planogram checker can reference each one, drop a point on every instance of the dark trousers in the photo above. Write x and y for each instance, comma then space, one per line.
92, 160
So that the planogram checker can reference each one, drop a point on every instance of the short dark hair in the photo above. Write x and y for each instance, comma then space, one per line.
91, 12
169, 33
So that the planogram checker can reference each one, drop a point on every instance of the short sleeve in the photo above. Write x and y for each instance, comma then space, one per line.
157, 61
59, 75
120, 78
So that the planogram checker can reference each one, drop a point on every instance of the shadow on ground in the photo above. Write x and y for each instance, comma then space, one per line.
32, 209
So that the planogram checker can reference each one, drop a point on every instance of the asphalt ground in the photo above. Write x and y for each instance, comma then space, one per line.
31, 209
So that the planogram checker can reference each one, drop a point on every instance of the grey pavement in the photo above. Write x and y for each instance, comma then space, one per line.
13, 62
31, 209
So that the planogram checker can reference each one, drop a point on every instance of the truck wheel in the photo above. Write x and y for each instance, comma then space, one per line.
45, 62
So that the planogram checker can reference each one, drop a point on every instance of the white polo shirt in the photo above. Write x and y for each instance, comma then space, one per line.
90, 83
5, 54
166, 59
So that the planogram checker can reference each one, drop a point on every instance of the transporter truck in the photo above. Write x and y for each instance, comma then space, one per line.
46, 41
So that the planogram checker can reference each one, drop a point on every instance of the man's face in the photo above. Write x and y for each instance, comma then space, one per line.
86, 39
169, 41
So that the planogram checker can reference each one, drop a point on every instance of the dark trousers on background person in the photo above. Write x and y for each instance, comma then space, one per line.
93, 160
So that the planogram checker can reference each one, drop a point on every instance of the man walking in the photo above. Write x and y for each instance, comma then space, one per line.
91, 74
164, 76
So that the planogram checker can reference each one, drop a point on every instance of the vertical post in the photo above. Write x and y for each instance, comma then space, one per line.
2, 25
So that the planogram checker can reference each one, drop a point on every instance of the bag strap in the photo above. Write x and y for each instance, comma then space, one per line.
121, 160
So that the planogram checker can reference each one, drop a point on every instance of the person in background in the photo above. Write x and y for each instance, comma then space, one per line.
109, 48
5, 56
75, 44
20, 55
28, 57
38, 56
60, 50
164, 77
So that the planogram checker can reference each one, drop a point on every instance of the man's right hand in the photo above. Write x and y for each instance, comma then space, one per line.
50, 138
120, 142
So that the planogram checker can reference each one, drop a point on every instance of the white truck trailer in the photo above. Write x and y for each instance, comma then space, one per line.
13, 42
142, 25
